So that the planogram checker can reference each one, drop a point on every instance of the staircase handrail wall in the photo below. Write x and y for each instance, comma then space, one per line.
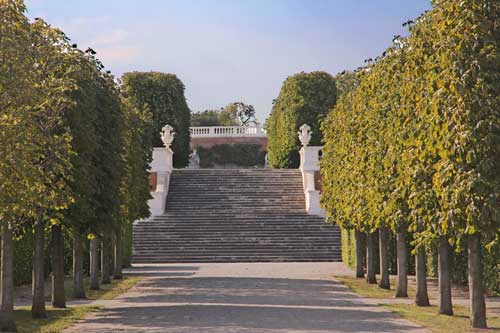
309, 167
162, 166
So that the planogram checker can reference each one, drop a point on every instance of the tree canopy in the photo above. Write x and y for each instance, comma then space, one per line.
163, 95
305, 98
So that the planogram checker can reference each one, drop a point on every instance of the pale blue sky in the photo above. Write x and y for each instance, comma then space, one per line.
231, 50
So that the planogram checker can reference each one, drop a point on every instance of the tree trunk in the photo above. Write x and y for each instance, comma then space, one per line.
94, 264
370, 258
38, 290
58, 296
360, 273
7, 323
78, 286
402, 259
422, 297
476, 292
105, 260
445, 306
117, 271
384, 258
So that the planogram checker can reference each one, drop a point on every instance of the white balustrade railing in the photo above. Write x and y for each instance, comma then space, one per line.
227, 131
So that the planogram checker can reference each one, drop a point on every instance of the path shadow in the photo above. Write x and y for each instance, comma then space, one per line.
244, 305
246, 291
255, 319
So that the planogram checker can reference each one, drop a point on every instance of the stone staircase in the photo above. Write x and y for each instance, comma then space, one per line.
235, 215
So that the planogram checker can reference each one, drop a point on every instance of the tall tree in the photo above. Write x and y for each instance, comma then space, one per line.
304, 98
163, 95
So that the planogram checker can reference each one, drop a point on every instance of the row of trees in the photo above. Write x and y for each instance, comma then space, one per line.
234, 114
73, 159
415, 148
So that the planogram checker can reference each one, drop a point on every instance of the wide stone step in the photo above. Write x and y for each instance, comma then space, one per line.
225, 259
235, 215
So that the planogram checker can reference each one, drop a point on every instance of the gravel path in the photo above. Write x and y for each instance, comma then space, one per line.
243, 298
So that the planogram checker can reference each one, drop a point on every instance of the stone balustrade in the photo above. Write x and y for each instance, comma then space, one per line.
227, 131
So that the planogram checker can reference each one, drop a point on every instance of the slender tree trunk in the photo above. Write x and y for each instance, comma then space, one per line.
38, 291
445, 305
422, 297
105, 260
476, 292
117, 271
384, 258
360, 273
402, 258
370, 258
94, 264
7, 323
78, 285
58, 296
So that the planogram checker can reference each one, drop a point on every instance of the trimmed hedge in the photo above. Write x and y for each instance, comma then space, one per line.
305, 98
163, 94
245, 155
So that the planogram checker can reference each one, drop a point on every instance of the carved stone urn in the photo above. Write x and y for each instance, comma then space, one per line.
305, 134
167, 135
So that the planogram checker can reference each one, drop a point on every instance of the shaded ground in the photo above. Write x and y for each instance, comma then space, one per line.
257, 298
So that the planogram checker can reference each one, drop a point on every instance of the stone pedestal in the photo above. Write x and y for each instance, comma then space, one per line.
309, 166
162, 167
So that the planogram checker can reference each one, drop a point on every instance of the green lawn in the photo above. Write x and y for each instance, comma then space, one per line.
360, 286
427, 317
107, 291
59, 319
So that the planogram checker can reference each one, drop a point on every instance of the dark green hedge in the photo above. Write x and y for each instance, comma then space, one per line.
245, 155
23, 254
163, 94
305, 98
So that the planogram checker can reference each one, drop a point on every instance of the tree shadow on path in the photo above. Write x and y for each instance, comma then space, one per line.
165, 303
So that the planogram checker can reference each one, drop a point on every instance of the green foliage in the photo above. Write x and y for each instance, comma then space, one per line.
163, 95
245, 155
346, 82
66, 135
305, 98
35, 149
239, 113
137, 156
415, 145
348, 248
234, 114
206, 118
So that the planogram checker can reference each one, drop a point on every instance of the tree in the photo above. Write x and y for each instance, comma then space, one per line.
53, 151
304, 98
346, 82
234, 114
15, 162
134, 185
163, 95
239, 113
205, 118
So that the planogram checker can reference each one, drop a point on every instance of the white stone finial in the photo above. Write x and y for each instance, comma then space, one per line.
167, 135
305, 134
